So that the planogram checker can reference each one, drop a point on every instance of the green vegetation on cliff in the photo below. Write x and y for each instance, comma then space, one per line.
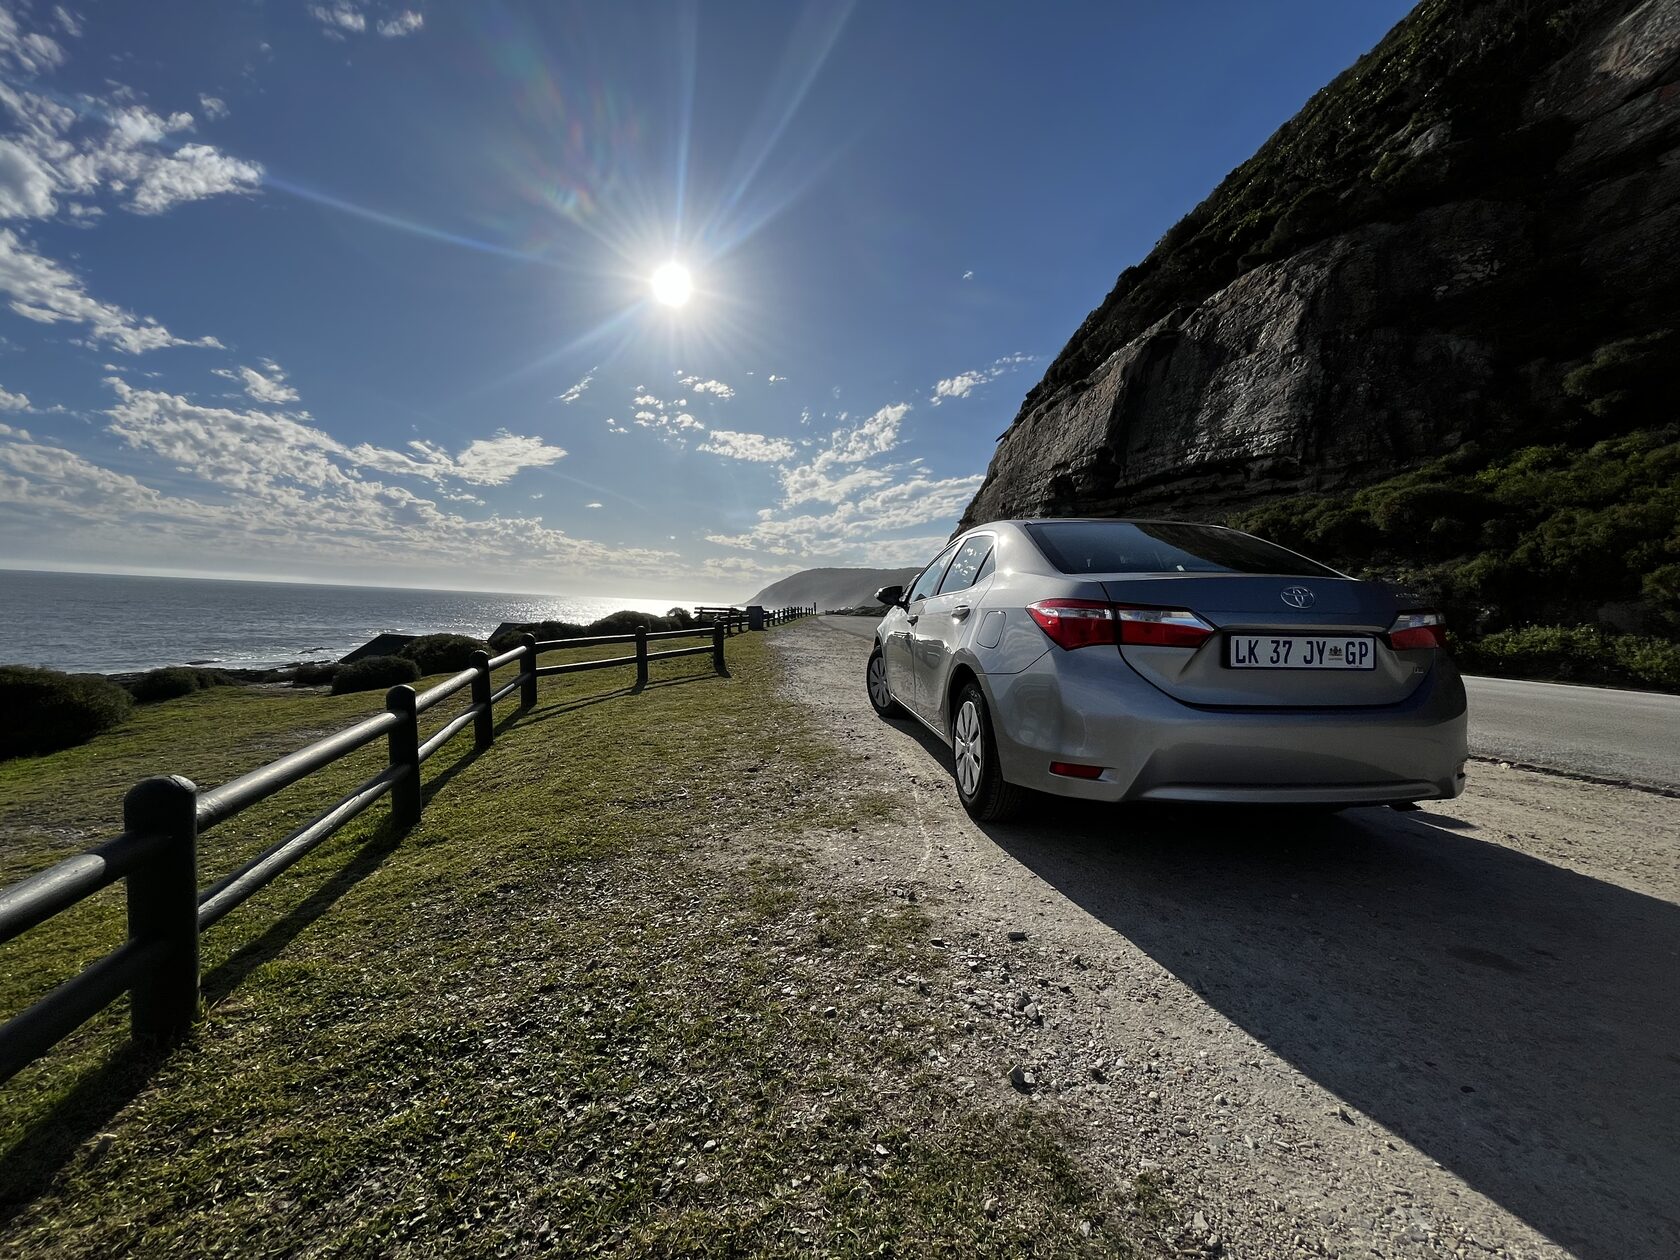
1519, 548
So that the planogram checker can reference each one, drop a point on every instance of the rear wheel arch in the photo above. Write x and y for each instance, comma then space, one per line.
961, 676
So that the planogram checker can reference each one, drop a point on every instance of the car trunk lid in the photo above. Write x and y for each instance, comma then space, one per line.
1350, 615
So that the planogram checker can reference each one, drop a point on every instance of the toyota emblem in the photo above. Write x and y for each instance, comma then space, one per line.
1298, 596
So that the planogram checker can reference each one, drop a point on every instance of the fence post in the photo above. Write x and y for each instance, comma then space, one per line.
403, 743
717, 648
484, 725
163, 907
641, 657
528, 679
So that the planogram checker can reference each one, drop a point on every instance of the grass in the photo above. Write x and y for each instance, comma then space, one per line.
577, 1008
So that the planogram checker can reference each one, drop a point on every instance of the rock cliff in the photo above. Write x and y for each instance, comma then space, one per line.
1444, 247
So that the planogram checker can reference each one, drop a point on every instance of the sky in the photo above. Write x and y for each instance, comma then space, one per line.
364, 291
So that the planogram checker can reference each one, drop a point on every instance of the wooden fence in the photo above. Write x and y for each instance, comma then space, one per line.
157, 852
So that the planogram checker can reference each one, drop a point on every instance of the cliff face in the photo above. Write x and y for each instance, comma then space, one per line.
1420, 259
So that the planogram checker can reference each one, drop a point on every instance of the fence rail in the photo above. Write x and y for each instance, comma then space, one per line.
157, 852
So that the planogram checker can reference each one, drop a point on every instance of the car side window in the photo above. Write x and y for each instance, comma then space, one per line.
928, 582
965, 569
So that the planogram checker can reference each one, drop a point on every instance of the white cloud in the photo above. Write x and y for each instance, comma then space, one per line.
591, 505
965, 383
214, 107
28, 53
27, 187
968, 275
110, 147
959, 386
41, 290
494, 461
576, 391
336, 18
67, 21
269, 386
700, 386
347, 519
673, 426
13, 402
404, 23
773, 378
754, 447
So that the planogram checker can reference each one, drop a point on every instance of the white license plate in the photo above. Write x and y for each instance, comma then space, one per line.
1300, 651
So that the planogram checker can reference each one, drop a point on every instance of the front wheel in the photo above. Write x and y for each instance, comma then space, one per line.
880, 698
980, 783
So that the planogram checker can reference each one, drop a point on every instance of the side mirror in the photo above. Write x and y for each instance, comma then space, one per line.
890, 595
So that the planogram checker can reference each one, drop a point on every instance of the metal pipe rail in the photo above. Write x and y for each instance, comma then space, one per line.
157, 852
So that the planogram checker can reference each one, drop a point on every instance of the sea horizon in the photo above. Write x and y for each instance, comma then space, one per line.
96, 622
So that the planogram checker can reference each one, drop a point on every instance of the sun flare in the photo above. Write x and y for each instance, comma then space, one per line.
672, 284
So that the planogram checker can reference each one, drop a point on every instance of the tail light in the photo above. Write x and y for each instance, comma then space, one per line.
1077, 623
1419, 628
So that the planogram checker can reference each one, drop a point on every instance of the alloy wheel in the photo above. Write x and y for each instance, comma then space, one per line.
878, 682
970, 748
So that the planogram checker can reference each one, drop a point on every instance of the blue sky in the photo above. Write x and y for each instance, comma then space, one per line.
360, 291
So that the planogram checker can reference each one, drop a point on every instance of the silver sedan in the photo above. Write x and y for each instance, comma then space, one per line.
1124, 660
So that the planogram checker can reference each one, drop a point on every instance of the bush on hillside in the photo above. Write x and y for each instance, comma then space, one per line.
1546, 535
374, 673
442, 653
314, 673
173, 681
47, 710
625, 621
1579, 654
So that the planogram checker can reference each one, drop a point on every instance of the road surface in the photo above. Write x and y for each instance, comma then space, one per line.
1631, 735
1441, 1032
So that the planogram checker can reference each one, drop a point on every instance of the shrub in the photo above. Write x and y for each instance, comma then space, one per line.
374, 673
315, 673
1576, 654
542, 629
442, 653
176, 680
46, 710
625, 621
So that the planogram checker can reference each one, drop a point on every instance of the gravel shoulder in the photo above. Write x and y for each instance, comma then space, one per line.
1448, 1032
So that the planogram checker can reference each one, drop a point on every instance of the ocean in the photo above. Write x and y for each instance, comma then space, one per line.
105, 623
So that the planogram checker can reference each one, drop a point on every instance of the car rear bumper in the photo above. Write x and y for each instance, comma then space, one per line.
1090, 709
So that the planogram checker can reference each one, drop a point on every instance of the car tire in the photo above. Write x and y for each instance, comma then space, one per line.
875, 684
981, 787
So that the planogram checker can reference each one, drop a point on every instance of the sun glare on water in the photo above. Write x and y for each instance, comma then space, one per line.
672, 284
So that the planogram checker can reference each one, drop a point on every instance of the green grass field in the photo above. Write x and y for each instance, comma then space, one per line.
560, 1014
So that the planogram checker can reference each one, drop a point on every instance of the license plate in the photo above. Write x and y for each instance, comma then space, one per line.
1300, 651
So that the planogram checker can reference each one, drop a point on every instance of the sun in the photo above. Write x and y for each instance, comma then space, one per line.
672, 284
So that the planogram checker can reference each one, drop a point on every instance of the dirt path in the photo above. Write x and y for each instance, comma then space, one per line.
1451, 1032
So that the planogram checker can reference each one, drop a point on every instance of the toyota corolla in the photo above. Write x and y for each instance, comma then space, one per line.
1124, 660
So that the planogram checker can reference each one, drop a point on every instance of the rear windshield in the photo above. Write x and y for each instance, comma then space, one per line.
1164, 547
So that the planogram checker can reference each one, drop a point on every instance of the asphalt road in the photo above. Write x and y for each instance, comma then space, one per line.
1631, 735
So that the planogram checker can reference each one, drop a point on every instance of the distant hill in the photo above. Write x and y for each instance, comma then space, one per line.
830, 588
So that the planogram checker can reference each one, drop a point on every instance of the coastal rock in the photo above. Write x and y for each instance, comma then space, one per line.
1383, 282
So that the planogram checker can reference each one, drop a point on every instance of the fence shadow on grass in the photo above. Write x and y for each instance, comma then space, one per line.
102, 1092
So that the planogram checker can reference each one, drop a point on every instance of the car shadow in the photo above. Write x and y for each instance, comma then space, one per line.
1513, 1020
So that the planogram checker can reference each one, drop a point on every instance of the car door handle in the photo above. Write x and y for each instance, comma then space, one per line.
959, 612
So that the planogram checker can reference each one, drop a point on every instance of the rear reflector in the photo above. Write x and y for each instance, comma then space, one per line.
1069, 770
1418, 628
1077, 623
